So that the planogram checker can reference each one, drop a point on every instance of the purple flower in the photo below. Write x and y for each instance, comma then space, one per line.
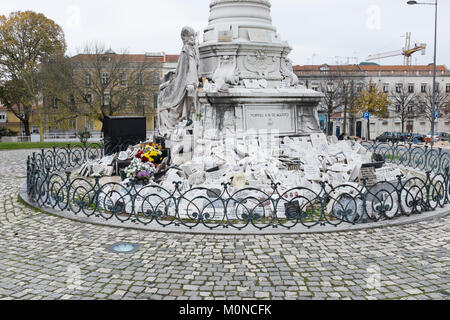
143, 174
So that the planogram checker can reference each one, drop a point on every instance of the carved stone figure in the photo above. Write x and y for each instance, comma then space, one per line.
287, 70
178, 96
226, 71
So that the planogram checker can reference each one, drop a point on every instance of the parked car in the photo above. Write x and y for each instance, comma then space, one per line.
438, 136
404, 137
387, 137
420, 137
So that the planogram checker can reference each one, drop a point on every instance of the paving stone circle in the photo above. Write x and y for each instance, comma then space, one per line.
46, 257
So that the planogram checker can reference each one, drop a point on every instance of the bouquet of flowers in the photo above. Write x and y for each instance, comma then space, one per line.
150, 153
140, 171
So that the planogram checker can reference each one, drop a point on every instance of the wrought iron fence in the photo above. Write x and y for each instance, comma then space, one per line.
276, 207
424, 159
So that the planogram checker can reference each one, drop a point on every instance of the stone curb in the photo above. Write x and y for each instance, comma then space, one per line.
439, 213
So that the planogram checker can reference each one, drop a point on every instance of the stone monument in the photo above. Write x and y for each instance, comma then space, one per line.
250, 83
238, 80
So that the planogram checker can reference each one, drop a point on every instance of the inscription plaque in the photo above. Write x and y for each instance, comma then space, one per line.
258, 35
279, 118
225, 36
369, 175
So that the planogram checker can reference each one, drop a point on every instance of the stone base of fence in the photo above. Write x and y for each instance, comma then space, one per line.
249, 230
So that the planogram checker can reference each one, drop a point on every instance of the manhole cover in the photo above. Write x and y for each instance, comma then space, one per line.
124, 247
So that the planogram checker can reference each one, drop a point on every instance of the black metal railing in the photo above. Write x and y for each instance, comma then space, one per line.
423, 159
49, 184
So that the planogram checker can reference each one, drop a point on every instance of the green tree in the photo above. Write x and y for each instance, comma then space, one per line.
27, 39
373, 101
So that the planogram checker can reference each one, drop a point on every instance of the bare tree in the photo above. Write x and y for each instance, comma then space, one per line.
425, 104
331, 88
59, 102
349, 96
107, 84
405, 102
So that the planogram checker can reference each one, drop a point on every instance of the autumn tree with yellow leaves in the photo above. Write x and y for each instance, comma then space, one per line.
27, 39
373, 101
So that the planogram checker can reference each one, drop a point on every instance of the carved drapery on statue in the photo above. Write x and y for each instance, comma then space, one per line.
178, 96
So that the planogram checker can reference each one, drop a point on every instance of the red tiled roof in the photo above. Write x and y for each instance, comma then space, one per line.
331, 68
172, 57
135, 57
355, 68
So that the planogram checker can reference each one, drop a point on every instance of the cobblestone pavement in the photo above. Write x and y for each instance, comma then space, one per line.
45, 257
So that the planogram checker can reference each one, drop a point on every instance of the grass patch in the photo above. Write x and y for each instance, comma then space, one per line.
36, 145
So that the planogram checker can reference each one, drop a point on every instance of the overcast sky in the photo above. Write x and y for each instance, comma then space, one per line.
319, 31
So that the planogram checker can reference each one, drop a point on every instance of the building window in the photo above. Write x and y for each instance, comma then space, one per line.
106, 99
315, 88
72, 124
411, 88
72, 101
88, 80
54, 103
398, 88
423, 88
89, 98
122, 79
359, 88
105, 78
447, 88
139, 79
330, 87
156, 79
155, 101
386, 88
140, 101
89, 124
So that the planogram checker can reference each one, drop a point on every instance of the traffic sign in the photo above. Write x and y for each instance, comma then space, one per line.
366, 115
436, 114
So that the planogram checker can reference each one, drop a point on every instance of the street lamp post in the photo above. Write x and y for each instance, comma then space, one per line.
434, 64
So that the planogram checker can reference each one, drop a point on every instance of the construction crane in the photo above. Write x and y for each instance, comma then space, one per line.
407, 51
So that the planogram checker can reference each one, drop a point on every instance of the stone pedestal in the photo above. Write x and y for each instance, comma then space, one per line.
250, 84
286, 112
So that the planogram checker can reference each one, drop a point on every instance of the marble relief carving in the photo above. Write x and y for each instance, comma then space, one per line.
260, 63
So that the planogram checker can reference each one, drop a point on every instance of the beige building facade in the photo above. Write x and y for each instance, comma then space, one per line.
417, 79
141, 70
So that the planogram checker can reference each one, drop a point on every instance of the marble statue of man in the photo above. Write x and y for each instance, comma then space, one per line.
178, 96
